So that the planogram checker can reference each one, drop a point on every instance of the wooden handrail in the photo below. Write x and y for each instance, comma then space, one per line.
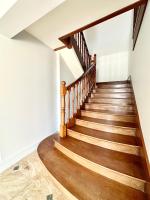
74, 95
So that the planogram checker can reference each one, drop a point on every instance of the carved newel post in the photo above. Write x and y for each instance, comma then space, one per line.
62, 99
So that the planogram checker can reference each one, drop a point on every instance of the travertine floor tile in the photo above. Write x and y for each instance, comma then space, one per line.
29, 180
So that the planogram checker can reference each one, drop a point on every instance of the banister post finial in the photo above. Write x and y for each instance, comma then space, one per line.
62, 132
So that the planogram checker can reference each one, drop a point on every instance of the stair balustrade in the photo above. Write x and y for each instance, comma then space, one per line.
74, 95
79, 44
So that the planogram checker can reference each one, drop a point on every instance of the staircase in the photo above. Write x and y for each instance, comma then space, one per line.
100, 156
97, 154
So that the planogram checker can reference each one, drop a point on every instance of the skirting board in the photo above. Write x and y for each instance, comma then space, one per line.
140, 135
13, 159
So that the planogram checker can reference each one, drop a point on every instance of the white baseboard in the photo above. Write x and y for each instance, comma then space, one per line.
5, 164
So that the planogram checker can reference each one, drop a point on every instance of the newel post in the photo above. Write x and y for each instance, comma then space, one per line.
62, 99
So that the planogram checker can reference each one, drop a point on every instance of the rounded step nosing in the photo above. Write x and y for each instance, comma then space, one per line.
107, 116
107, 144
106, 127
125, 179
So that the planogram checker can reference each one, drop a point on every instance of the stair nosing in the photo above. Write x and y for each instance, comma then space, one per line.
105, 104
107, 141
111, 125
115, 114
131, 178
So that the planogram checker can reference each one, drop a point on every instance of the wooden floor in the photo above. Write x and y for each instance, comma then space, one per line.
100, 157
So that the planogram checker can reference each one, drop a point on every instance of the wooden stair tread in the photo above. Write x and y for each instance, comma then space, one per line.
125, 139
113, 82
105, 90
109, 122
121, 162
114, 86
114, 112
112, 101
103, 106
81, 182
113, 95
109, 104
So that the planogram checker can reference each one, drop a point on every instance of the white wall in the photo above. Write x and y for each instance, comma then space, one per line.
28, 106
140, 73
111, 42
70, 58
112, 67
65, 73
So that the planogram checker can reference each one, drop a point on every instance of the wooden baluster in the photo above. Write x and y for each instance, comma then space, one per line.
77, 98
72, 101
81, 93
62, 96
68, 105
78, 39
82, 90
80, 42
95, 70
82, 50
85, 86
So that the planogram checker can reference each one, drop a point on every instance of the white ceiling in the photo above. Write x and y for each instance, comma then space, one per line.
22, 14
5, 5
71, 15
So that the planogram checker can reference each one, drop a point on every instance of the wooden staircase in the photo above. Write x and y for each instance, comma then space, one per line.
100, 158
97, 154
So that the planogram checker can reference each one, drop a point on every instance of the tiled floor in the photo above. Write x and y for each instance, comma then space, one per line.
29, 180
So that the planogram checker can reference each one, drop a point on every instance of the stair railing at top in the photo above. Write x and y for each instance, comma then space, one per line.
77, 41
74, 95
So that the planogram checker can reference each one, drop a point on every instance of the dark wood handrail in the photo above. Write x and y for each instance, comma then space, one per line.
80, 78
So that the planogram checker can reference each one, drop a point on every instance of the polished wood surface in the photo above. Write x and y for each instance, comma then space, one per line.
102, 142
102, 106
112, 95
108, 116
118, 161
114, 112
62, 97
109, 122
99, 90
106, 135
112, 101
81, 182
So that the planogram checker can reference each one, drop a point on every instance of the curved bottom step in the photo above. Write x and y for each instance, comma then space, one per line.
81, 182
122, 178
